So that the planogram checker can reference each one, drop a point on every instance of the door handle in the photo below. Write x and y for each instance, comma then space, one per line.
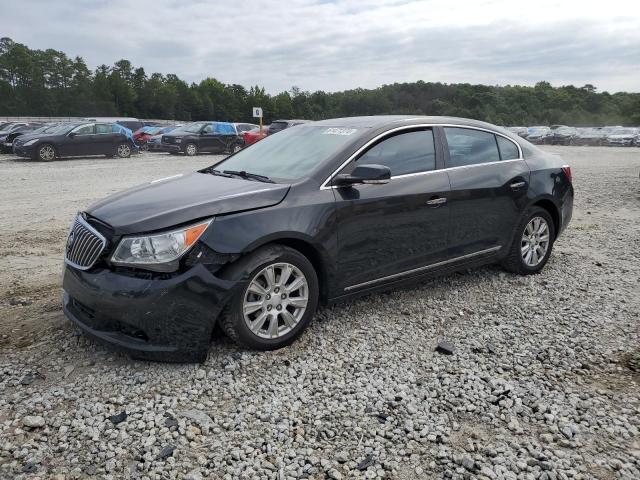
517, 185
436, 202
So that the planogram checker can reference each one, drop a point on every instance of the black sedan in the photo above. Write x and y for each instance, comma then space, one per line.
6, 141
315, 214
74, 140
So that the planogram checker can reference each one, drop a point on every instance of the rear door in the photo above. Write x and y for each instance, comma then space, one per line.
105, 139
387, 231
489, 182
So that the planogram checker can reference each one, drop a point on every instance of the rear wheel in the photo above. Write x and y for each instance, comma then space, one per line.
532, 243
123, 150
236, 147
276, 302
46, 153
191, 149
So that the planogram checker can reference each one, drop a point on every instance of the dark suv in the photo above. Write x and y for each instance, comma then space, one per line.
278, 125
211, 137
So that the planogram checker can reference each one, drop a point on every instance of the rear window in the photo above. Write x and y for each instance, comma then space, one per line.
508, 149
471, 147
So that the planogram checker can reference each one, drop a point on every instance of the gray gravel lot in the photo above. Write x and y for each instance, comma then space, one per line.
543, 382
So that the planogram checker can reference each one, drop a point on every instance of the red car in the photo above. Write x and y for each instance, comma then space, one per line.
255, 135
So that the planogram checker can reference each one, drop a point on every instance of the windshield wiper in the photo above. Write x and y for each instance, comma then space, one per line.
247, 175
213, 171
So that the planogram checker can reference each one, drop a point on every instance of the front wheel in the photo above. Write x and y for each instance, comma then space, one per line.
276, 302
191, 149
123, 150
532, 244
46, 153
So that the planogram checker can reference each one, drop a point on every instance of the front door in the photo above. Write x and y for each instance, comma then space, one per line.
387, 231
78, 142
489, 182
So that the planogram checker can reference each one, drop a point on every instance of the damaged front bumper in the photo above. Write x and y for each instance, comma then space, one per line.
161, 317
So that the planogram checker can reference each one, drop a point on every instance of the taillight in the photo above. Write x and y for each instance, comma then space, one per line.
567, 171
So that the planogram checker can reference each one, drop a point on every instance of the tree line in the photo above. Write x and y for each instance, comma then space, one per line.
50, 83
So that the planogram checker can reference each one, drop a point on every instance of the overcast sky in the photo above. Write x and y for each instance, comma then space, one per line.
335, 45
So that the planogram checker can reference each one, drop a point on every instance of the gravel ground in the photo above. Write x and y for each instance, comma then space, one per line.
543, 382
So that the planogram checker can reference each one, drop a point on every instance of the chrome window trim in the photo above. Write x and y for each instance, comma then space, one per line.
421, 269
325, 185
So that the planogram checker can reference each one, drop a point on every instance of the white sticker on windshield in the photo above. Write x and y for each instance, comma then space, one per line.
339, 131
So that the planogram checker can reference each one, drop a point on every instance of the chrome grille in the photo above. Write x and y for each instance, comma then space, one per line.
84, 245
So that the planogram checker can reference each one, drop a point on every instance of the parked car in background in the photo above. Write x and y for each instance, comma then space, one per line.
11, 126
154, 144
562, 135
520, 131
589, 136
622, 137
75, 140
197, 137
255, 135
143, 135
6, 140
279, 125
538, 135
131, 123
316, 214
245, 127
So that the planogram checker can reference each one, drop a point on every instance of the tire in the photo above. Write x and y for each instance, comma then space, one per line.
190, 149
515, 260
235, 148
271, 322
46, 153
123, 150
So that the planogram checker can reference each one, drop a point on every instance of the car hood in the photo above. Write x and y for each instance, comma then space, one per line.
26, 136
176, 200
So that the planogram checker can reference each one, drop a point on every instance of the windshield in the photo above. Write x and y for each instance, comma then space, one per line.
191, 128
291, 154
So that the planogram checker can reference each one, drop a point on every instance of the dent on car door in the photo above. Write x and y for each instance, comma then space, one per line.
391, 229
489, 182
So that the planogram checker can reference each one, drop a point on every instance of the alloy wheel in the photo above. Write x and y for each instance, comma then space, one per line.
191, 149
275, 300
124, 150
236, 148
47, 153
535, 241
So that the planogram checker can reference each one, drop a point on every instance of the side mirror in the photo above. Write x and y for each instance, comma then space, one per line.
366, 174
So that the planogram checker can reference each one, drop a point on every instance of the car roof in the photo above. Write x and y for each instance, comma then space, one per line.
377, 121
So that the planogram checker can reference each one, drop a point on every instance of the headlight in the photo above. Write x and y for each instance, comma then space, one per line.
158, 252
177, 139
31, 142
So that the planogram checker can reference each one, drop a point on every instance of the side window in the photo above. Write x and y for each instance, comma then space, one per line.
207, 129
404, 153
471, 147
508, 149
84, 130
102, 128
